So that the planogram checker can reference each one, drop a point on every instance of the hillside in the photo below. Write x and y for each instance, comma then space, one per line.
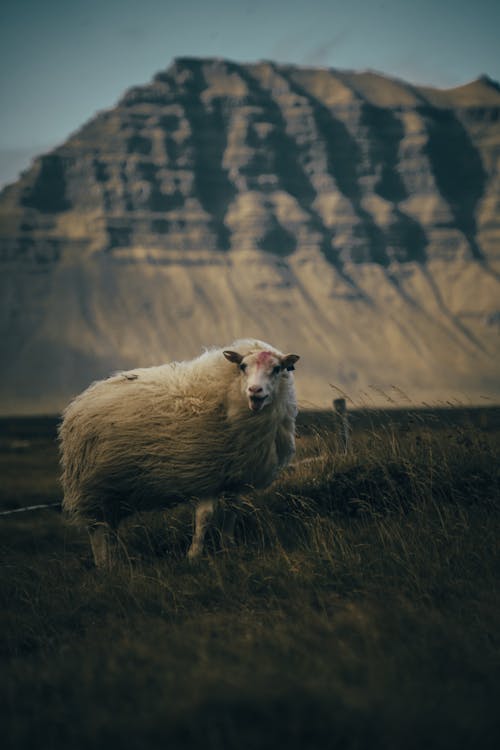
346, 216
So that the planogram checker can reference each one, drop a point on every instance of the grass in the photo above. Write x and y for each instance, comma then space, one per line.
360, 608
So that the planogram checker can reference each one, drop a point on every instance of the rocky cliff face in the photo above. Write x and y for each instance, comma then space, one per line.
345, 215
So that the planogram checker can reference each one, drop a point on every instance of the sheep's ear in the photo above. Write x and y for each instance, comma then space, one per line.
233, 356
288, 361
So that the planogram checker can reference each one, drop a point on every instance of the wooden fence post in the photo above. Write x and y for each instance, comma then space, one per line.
340, 408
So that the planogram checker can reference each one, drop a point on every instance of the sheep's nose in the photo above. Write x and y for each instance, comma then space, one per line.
255, 389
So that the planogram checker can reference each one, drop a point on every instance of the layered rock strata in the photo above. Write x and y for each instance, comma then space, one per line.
348, 215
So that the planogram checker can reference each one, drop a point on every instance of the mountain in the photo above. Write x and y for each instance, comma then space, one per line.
346, 216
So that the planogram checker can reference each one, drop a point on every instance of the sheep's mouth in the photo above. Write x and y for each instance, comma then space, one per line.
256, 402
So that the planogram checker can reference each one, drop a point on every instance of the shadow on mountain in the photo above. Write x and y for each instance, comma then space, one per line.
138, 144
287, 163
119, 234
48, 191
287, 159
282, 152
386, 134
406, 240
101, 171
458, 170
157, 200
278, 241
344, 165
209, 138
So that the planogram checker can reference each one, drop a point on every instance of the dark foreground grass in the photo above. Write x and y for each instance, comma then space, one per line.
360, 608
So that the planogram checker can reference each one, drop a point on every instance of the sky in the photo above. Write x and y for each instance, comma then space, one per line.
61, 61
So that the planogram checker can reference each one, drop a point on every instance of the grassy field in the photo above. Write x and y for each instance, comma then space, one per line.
360, 608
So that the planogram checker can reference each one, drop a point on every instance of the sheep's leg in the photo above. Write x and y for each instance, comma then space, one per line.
228, 524
203, 515
103, 543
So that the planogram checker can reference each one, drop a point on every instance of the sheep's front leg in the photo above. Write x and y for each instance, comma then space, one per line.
203, 515
103, 543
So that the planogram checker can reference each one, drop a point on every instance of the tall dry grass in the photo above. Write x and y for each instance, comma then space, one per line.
360, 607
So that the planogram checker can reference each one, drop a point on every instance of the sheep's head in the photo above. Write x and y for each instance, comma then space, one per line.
260, 374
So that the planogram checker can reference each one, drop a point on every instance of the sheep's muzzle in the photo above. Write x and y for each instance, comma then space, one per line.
256, 402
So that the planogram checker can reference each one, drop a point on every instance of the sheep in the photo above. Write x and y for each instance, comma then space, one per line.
196, 431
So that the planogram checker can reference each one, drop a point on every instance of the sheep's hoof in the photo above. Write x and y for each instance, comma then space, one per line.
194, 553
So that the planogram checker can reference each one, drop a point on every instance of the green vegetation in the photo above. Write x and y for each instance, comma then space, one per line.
359, 609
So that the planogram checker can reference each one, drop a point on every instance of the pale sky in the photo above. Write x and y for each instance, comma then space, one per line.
63, 60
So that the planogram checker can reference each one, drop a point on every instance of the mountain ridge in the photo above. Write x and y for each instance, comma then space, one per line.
225, 199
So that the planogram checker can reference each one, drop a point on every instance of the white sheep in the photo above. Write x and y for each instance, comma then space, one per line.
186, 431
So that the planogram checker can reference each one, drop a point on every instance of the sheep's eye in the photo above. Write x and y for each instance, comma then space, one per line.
243, 367
277, 370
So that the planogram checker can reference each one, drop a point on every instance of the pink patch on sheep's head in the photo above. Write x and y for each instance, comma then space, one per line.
263, 358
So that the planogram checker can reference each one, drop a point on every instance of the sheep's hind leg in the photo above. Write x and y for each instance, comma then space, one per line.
103, 542
203, 516
228, 525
